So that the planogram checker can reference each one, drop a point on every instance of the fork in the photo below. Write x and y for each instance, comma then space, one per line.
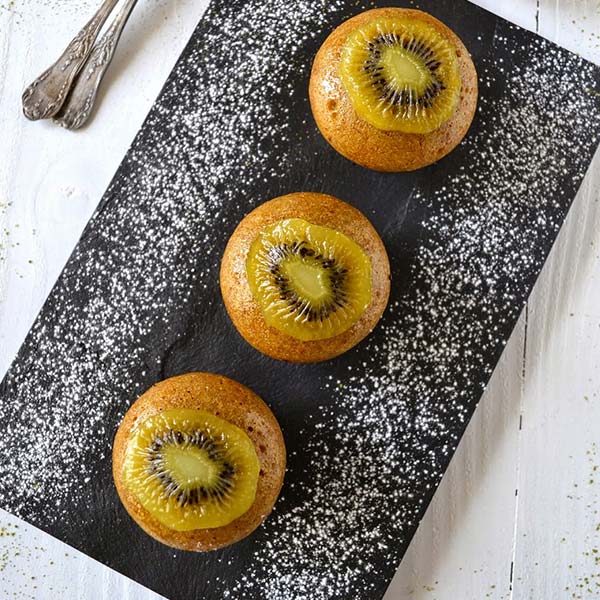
82, 95
67, 90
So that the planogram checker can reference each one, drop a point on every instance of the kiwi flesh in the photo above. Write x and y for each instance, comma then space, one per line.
401, 74
191, 469
311, 282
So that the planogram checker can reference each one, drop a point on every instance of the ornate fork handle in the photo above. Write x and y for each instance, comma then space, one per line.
46, 95
80, 101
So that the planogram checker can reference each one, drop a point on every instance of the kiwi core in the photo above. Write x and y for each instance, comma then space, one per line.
308, 278
404, 69
190, 466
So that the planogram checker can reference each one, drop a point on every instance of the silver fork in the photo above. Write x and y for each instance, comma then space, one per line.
59, 87
80, 100
46, 95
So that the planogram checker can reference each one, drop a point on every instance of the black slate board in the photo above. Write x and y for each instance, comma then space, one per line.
371, 433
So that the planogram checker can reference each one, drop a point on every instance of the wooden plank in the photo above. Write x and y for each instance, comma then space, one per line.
557, 534
521, 12
53, 177
557, 530
39, 566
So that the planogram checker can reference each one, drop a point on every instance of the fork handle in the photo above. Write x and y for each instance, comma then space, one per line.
80, 101
46, 95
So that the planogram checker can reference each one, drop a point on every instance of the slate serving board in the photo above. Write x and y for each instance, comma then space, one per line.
369, 434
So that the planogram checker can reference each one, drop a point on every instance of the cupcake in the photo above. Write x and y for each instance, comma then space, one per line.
305, 277
198, 461
393, 89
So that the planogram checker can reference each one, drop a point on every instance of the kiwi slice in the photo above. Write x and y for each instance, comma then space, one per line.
311, 282
401, 74
191, 469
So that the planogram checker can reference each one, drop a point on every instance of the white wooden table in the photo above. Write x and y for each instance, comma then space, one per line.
517, 514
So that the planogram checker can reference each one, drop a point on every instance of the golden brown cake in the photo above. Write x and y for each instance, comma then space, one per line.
374, 78
305, 277
199, 448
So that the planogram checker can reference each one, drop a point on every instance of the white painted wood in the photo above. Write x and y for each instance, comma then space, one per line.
558, 527
572, 24
476, 526
521, 12
553, 529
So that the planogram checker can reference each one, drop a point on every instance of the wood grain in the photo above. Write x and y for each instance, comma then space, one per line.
478, 531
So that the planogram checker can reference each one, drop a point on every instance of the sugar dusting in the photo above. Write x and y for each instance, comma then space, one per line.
131, 279
374, 452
